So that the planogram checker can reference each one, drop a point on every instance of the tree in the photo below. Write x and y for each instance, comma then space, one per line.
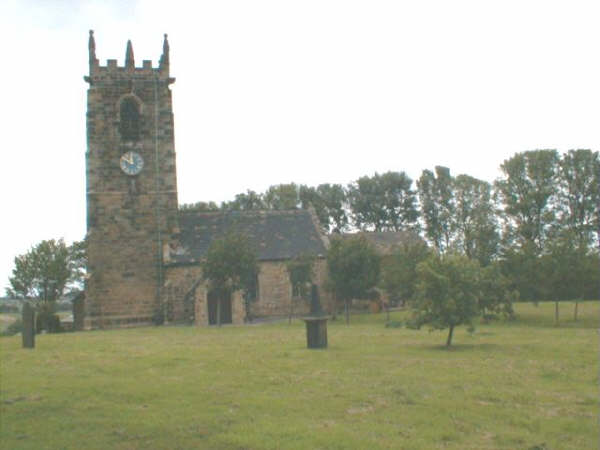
496, 296
199, 207
475, 219
399, 272
447, 293
522, 267
353, 268
334, 200
384, 202
579, 175
42, 275
528, 192
329, 203
79, 262
300, 271
438, 206
282, 196
566, 270
247, 201
310, 197
230, 265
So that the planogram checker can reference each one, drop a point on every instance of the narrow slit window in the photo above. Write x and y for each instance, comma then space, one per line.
129, 125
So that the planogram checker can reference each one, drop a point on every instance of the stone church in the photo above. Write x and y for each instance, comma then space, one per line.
144, 254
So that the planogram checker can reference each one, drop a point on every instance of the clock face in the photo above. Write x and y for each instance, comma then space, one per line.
131, 163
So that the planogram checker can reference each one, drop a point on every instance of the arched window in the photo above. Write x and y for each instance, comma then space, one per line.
129, 124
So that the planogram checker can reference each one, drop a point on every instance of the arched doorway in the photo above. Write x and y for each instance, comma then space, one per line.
219, 307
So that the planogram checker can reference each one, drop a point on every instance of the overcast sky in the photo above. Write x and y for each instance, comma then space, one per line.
272, 92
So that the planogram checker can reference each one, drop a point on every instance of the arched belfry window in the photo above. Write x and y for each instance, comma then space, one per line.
129, 120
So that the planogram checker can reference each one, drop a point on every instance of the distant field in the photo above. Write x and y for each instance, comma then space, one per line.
513, 385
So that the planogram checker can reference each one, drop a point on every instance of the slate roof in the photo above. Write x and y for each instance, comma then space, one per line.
385, 242
276, 235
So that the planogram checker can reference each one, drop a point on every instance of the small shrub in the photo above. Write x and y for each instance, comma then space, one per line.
394, 324
47, 320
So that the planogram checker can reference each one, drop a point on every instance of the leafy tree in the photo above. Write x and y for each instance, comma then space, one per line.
579, 175
230, 265
247, 201
496, 295
567, 270
199, 207
447, 293
329, 201
476, 224
436, 194
353, 269
78, 264
282, 196
42, 275
522, 267
310, 197
528, 192
300, 271
334, 199
399, 272
384, 202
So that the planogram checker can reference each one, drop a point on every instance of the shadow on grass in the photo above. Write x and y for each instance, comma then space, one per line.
461, 347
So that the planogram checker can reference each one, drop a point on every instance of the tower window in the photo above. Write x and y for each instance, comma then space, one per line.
129, 124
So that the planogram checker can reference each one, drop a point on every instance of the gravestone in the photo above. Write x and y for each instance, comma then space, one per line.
78, 311
316, 323
28, 333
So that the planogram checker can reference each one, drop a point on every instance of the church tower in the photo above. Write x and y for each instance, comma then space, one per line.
131, 187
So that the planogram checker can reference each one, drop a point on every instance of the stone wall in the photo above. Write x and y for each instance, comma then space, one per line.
185, 294
179, 297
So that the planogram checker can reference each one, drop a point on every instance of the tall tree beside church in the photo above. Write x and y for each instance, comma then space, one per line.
246, 201
436, 194
282, 196
528, 192
44, 273
353, 267
335, 202
230, 265
384, 202
570, 249
476, 224
309, 197
579, 210
329, 201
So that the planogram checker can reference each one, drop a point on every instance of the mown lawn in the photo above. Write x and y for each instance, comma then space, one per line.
509, 385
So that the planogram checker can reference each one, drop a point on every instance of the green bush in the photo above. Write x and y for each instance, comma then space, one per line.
47, 320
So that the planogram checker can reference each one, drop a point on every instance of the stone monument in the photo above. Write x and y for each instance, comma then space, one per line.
316, 323
28, 332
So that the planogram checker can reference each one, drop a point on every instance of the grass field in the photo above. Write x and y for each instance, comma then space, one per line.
516, 385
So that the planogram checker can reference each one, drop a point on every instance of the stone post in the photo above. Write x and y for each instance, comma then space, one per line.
316, 323
28, 332
78, 312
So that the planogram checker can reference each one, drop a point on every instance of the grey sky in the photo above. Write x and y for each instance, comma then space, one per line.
270, 92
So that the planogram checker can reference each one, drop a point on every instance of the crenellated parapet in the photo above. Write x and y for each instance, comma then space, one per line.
113, 71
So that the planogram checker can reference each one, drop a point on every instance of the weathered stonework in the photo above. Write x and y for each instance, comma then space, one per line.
143, 266
185, 294
128, 216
